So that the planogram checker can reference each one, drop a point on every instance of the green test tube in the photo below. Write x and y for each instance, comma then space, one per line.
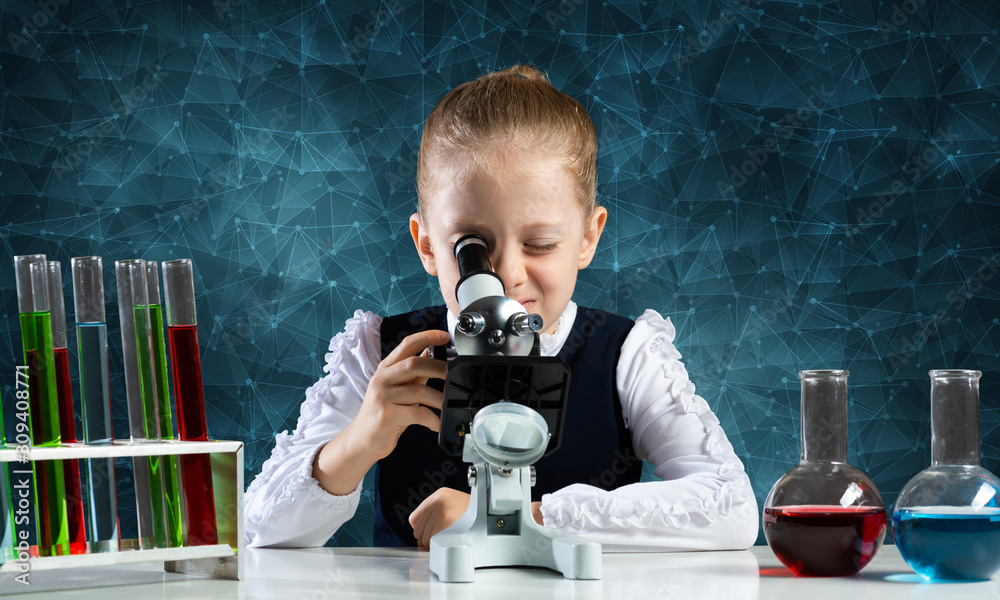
51, 521
171, 464
140, 389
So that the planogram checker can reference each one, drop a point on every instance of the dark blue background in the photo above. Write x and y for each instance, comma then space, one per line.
796, 185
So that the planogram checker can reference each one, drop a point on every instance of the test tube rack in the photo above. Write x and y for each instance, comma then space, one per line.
222, 561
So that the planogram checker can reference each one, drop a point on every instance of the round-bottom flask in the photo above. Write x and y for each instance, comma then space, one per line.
824, 517
947, 521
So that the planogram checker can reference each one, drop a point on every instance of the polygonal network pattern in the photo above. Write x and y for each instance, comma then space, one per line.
796, 185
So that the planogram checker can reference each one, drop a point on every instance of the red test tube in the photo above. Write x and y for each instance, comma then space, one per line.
185, 366
67, 415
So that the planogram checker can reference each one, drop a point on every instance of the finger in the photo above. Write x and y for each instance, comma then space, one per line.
421, 415
414, 518
419, 524
418, 527
414, 395
427, 523
430, 529
427, 353
413, 369
416, 343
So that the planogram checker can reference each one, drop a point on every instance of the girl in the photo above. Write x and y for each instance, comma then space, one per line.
509, 157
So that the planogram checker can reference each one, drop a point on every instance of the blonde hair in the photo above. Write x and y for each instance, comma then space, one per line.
517, 107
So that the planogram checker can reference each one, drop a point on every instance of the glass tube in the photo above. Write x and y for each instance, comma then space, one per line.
140, 389
171, 464
955, 417
67, 414
185, 363
36, 338
95, 399
824, 416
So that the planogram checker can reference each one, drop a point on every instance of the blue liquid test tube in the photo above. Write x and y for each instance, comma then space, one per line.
95, 398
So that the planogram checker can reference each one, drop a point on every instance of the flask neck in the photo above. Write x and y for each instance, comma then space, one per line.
824, 416
955, 417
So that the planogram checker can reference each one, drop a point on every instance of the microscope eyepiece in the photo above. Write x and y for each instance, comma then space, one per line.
476, 276
473, 255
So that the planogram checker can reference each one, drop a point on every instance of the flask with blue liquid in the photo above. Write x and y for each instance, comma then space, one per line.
947, 518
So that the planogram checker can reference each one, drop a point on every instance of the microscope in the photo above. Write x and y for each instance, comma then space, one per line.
503, 411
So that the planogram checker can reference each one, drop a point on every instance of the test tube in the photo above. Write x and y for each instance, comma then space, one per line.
95, 399
171, 464
36, 339
6, 507
67, 415
185, 364
140, 388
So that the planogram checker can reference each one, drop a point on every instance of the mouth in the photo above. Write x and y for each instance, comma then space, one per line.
527, 304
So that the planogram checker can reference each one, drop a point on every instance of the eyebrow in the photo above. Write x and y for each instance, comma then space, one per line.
540, 225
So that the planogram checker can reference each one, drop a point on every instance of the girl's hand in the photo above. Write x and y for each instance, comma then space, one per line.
437, 513
398, 396
442, 509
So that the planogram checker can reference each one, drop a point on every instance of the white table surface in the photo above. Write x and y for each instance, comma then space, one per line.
329, 573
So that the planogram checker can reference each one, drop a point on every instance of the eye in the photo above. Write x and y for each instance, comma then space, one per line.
542, 247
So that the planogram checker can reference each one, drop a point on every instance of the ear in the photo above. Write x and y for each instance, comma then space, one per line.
592, 234
422, 240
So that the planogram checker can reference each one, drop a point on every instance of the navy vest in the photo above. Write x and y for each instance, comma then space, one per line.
596, 446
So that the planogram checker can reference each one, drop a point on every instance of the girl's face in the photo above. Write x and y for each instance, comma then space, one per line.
534, 226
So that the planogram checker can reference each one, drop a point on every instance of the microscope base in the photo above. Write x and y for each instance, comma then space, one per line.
492, 533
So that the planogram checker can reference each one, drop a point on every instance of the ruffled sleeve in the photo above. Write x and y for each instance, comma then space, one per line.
704, 501
285, 505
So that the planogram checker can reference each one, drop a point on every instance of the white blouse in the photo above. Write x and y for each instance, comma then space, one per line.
703, 502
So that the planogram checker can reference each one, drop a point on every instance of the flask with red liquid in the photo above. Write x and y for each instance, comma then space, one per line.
185, 365
825, 517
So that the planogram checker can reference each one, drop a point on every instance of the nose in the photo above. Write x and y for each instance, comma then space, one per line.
508, 262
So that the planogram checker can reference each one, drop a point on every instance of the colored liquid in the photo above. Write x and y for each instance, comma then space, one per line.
942, 546
143, 502
71, 468
6, 512
103, 505
50, 492
6, 508
171, 464
92, 339
39, 356
196, 469
95, 393
199, 495
149, 492
824, 540
150, 427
